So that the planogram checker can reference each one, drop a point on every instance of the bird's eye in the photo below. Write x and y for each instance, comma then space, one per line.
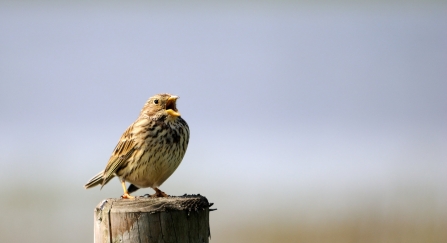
156, 102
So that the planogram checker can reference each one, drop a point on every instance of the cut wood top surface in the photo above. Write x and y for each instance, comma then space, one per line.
153, 205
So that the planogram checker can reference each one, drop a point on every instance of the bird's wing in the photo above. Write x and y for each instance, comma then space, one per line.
123, 150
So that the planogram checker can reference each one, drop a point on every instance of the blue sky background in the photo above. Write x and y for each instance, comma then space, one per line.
300, 113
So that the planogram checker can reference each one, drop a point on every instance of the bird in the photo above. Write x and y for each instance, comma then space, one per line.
150, 149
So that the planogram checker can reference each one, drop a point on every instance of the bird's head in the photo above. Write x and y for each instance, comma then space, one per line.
161, 106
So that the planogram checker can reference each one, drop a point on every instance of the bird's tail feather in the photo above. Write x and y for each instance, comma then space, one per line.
97, 180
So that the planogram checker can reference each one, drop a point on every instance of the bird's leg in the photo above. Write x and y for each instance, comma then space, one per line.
159, 193
126, 193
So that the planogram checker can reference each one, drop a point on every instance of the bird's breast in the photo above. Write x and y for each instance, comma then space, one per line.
159, 155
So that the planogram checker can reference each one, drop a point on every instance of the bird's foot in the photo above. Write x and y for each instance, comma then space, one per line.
127, 196
126, 193
159, 193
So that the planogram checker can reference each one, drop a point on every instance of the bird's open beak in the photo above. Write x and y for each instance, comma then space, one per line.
171, 108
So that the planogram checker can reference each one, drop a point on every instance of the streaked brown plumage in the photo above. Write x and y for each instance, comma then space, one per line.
150, 150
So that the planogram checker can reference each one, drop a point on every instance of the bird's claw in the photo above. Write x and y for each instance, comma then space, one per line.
127, 196
159, 193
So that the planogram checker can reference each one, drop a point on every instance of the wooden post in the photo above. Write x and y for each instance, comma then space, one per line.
145, 219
